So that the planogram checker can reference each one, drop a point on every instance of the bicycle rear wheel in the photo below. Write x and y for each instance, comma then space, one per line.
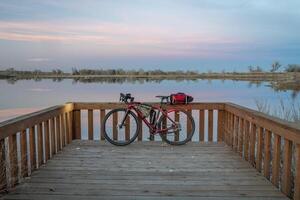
181, 131
117, 133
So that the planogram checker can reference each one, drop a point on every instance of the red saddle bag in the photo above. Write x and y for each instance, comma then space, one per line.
180, 98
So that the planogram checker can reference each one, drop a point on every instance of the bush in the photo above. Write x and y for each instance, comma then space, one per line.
293, 68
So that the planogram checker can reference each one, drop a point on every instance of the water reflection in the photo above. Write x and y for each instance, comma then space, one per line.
278, 86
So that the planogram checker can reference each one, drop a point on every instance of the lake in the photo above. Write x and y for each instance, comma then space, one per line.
24, 96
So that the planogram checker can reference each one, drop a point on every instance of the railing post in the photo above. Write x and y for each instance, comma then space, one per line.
2, 166
201, 125
23, 143
297, 175
76, 124
13, 160
221, 129
287, 162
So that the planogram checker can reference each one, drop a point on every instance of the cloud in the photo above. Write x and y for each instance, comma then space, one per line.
38, 59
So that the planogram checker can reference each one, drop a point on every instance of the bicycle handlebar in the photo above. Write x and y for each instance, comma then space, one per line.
126, 97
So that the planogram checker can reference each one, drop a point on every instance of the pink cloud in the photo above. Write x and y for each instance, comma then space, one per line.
126, 38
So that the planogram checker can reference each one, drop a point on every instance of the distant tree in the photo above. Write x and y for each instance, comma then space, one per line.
250, 68
275, 66
75, 71
293, 68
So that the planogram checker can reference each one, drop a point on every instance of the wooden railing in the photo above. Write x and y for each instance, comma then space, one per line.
208, 119
29, 141
269, 144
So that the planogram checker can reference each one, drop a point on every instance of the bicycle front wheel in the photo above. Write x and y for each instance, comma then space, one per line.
119, 133
179, 125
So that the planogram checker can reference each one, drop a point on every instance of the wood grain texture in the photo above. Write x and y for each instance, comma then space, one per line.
114, 125
210, 125
13, 160
102, 115
77, 124
3, 183
47, 140
53, 141
127, 128
241, 136
259, 149
90, 125
246, 139
32, 149
94, 171
40, 143
236, 133
220, 125
252, 144
23, 148
58, 133
267, 158
276, 160
201, 125
297, 175
287, 163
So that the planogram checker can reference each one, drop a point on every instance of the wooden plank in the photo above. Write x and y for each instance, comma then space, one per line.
140, 135
259, 149
236, 133
227, 128
40, 143
177, 118
230, 129
23, 122
188, 124
67, 126
210, 125
102, 115
276, 160
241, 136
90, 125
78, 174
3, 183
267, 158
115, 124
220, 125
13, 160
127, 128
252, 144
24, 160
58, 133
32, 143
297, 175
62, 130
201, 125
246, 139
287, 163
53, 141
77, 124
47, 140
70, 122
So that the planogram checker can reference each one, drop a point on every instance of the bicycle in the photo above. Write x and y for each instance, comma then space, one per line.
168, 123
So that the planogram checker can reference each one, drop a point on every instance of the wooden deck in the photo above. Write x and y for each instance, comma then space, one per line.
145, 170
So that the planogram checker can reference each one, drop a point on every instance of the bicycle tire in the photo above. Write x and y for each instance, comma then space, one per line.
106, 135
189, 135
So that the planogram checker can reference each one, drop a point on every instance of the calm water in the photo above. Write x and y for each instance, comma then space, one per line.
28, 95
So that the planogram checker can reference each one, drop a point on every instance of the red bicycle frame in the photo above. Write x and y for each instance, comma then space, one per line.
153, 127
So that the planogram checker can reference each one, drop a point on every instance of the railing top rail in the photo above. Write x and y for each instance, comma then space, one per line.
112, 105
22, 122
281, 127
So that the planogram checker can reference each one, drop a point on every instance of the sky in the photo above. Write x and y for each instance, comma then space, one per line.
203, 35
